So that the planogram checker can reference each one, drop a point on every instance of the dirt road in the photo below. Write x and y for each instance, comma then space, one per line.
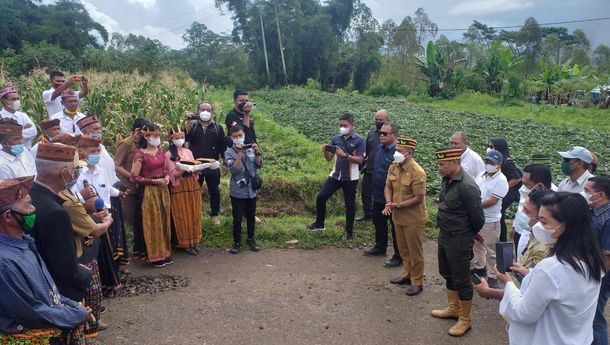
327, 296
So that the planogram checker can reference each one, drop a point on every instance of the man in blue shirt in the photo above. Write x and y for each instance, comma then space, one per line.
29, 299
597, 193
349, 149
384, 156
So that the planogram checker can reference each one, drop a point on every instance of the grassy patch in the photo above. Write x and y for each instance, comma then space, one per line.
586, 118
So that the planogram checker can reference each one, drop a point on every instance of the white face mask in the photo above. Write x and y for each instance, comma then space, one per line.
205, 116
16, 105
491, 169
239, 141
543, 235
524, 192
398, 157
344, 130
178, 142
587, 197
154, 141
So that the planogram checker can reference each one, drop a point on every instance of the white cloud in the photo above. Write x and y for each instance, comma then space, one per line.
170, 38
202, 4
147, 4
489, 7
110, 24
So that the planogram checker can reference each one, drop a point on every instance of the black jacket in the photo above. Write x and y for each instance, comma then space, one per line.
234, 118
207, 143
55, 242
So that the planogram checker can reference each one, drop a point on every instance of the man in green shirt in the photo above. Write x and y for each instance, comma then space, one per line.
460, 217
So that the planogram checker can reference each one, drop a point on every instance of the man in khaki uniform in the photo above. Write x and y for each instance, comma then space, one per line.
405, 195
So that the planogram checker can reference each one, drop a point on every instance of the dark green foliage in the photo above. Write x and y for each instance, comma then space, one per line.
391, 87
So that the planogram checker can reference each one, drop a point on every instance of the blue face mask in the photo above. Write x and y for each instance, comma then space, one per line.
96, 135
17, 149
239, 141
93, 159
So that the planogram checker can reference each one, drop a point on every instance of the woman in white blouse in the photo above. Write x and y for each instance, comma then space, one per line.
557, 300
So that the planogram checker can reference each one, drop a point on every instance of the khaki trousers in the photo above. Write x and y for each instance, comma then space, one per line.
409, 240
485, 253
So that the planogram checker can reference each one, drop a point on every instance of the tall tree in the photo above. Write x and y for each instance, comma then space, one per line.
601, 58
530, 38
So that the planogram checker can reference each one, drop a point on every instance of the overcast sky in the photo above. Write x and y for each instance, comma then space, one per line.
166, 20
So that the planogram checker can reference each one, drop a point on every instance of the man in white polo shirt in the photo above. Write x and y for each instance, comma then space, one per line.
11, 105
575, 166
52, 96
70, 115
15, 160
471, 161
494, 187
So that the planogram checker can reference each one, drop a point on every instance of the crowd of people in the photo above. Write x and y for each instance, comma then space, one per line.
65, 202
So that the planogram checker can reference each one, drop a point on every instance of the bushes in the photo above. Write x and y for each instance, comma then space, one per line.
391, 87
40, 55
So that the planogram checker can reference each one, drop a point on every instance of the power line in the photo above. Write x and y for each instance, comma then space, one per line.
180, 15
511, 26
184, 26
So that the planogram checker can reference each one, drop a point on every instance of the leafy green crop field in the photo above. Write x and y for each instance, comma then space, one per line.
315, 114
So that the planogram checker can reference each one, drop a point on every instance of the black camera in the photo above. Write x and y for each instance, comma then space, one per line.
192, 117
241, 183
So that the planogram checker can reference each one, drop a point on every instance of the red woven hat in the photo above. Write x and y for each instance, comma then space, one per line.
87, 121
13, 190
6, 90
56, 152
88, 141
47, 124
10, 127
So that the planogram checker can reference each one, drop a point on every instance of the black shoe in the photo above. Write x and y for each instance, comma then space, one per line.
158, 264
169, 261
393, 262
191, 251
363, 218
374, 252
349, 237
253, 246
235, 248
315, 227
102, 309
197, 249
401, 281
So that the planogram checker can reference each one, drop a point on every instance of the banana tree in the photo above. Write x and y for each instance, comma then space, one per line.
498, 65
438, 69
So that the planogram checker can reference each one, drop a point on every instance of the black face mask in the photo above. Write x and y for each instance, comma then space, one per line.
379, 125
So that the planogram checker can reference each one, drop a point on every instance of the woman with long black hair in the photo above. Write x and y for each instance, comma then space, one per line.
152, 231
558, 297
513, 176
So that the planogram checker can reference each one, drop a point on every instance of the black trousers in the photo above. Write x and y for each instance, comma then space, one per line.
212, 181
349, 196
454, 255
366, 191
380, 221
241, 207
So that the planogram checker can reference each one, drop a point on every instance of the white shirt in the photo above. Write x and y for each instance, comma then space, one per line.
472, 163
555, 305
577, 186
68, 124
23, 119
107, 163
16, 166
54, 105
34, 150
492, 186
101, 180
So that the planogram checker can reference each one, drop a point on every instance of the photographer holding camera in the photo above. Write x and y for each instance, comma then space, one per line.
243, 160
240, 115
206, 139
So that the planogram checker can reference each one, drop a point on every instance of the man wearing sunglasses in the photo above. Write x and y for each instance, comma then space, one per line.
384, 156
372, 143
575, 166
